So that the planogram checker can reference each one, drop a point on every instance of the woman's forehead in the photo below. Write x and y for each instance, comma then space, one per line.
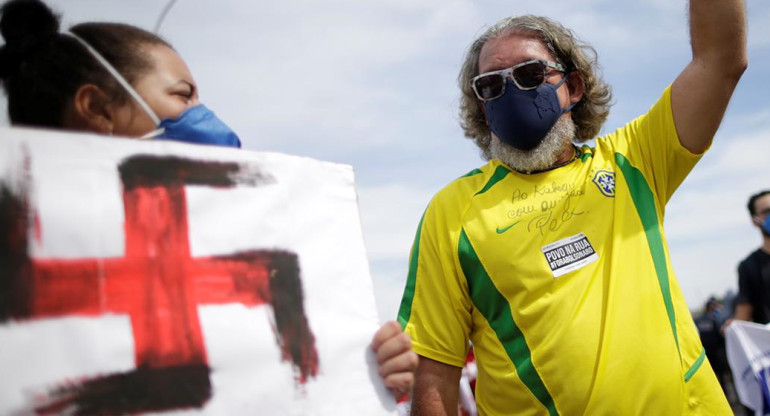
167, 66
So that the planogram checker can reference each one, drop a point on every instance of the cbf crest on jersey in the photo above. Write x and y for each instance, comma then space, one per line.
605, 181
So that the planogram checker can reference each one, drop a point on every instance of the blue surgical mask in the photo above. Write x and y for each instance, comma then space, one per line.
522, 119
766, 224
200, 125
196, 124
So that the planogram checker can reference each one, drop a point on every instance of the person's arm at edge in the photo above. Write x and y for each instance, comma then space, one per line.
700, 94
397, 362
743, 312
436, 389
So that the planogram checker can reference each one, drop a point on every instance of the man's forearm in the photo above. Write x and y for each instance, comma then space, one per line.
436, 389
718, 33
700, 94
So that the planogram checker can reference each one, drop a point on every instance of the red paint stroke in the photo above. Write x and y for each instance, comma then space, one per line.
158, 285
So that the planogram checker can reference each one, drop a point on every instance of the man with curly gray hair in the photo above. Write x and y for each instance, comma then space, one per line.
550, 259
588, 114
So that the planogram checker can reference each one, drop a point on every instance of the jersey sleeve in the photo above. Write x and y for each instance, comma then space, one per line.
435, 310
650, 143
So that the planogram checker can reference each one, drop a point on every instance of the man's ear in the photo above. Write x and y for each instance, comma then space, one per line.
576, 87
92, 109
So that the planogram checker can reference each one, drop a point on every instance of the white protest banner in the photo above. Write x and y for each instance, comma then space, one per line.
748, 352
159, 277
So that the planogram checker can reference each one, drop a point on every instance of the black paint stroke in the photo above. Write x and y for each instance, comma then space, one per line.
151, 170
138, 391
15, 266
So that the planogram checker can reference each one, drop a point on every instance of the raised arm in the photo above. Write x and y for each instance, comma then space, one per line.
700, 94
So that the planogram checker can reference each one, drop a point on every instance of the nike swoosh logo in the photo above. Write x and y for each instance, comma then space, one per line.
502, 230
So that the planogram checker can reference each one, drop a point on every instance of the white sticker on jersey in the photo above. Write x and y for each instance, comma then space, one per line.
569, 254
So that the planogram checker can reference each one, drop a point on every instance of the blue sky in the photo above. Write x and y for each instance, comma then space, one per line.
373, 84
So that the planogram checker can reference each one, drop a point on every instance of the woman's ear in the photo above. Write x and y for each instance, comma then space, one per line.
92, 110
576, 87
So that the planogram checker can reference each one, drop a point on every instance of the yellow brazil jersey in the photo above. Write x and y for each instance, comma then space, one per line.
563, 282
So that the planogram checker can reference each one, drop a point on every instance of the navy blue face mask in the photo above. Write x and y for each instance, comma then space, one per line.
196, 124
521, 118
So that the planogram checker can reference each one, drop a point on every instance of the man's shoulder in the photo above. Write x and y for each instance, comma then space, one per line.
469, 184
750, 263
657, 122
450, 202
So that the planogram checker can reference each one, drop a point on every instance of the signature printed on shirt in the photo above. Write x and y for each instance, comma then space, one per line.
554, 219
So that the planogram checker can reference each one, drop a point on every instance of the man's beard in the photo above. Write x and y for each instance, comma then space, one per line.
542, 157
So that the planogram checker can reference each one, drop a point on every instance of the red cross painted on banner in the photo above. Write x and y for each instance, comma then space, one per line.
159, 285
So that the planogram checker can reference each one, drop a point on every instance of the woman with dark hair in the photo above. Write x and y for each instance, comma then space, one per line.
118, 79
107, 78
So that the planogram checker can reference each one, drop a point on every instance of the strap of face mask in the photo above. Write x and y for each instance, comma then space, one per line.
122, 81
557, 85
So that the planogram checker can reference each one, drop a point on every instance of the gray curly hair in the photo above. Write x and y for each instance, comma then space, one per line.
589, 114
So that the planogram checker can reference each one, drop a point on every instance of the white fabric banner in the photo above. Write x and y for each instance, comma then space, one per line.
748, 352
159, 277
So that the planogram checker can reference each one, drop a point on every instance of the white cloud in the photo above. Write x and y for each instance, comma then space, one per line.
390, 214
388, 281
318, 71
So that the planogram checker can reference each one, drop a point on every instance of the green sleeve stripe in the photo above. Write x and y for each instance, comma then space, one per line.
644, 201
495, 308
695, 366
499, 174
405, 310
472, 173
